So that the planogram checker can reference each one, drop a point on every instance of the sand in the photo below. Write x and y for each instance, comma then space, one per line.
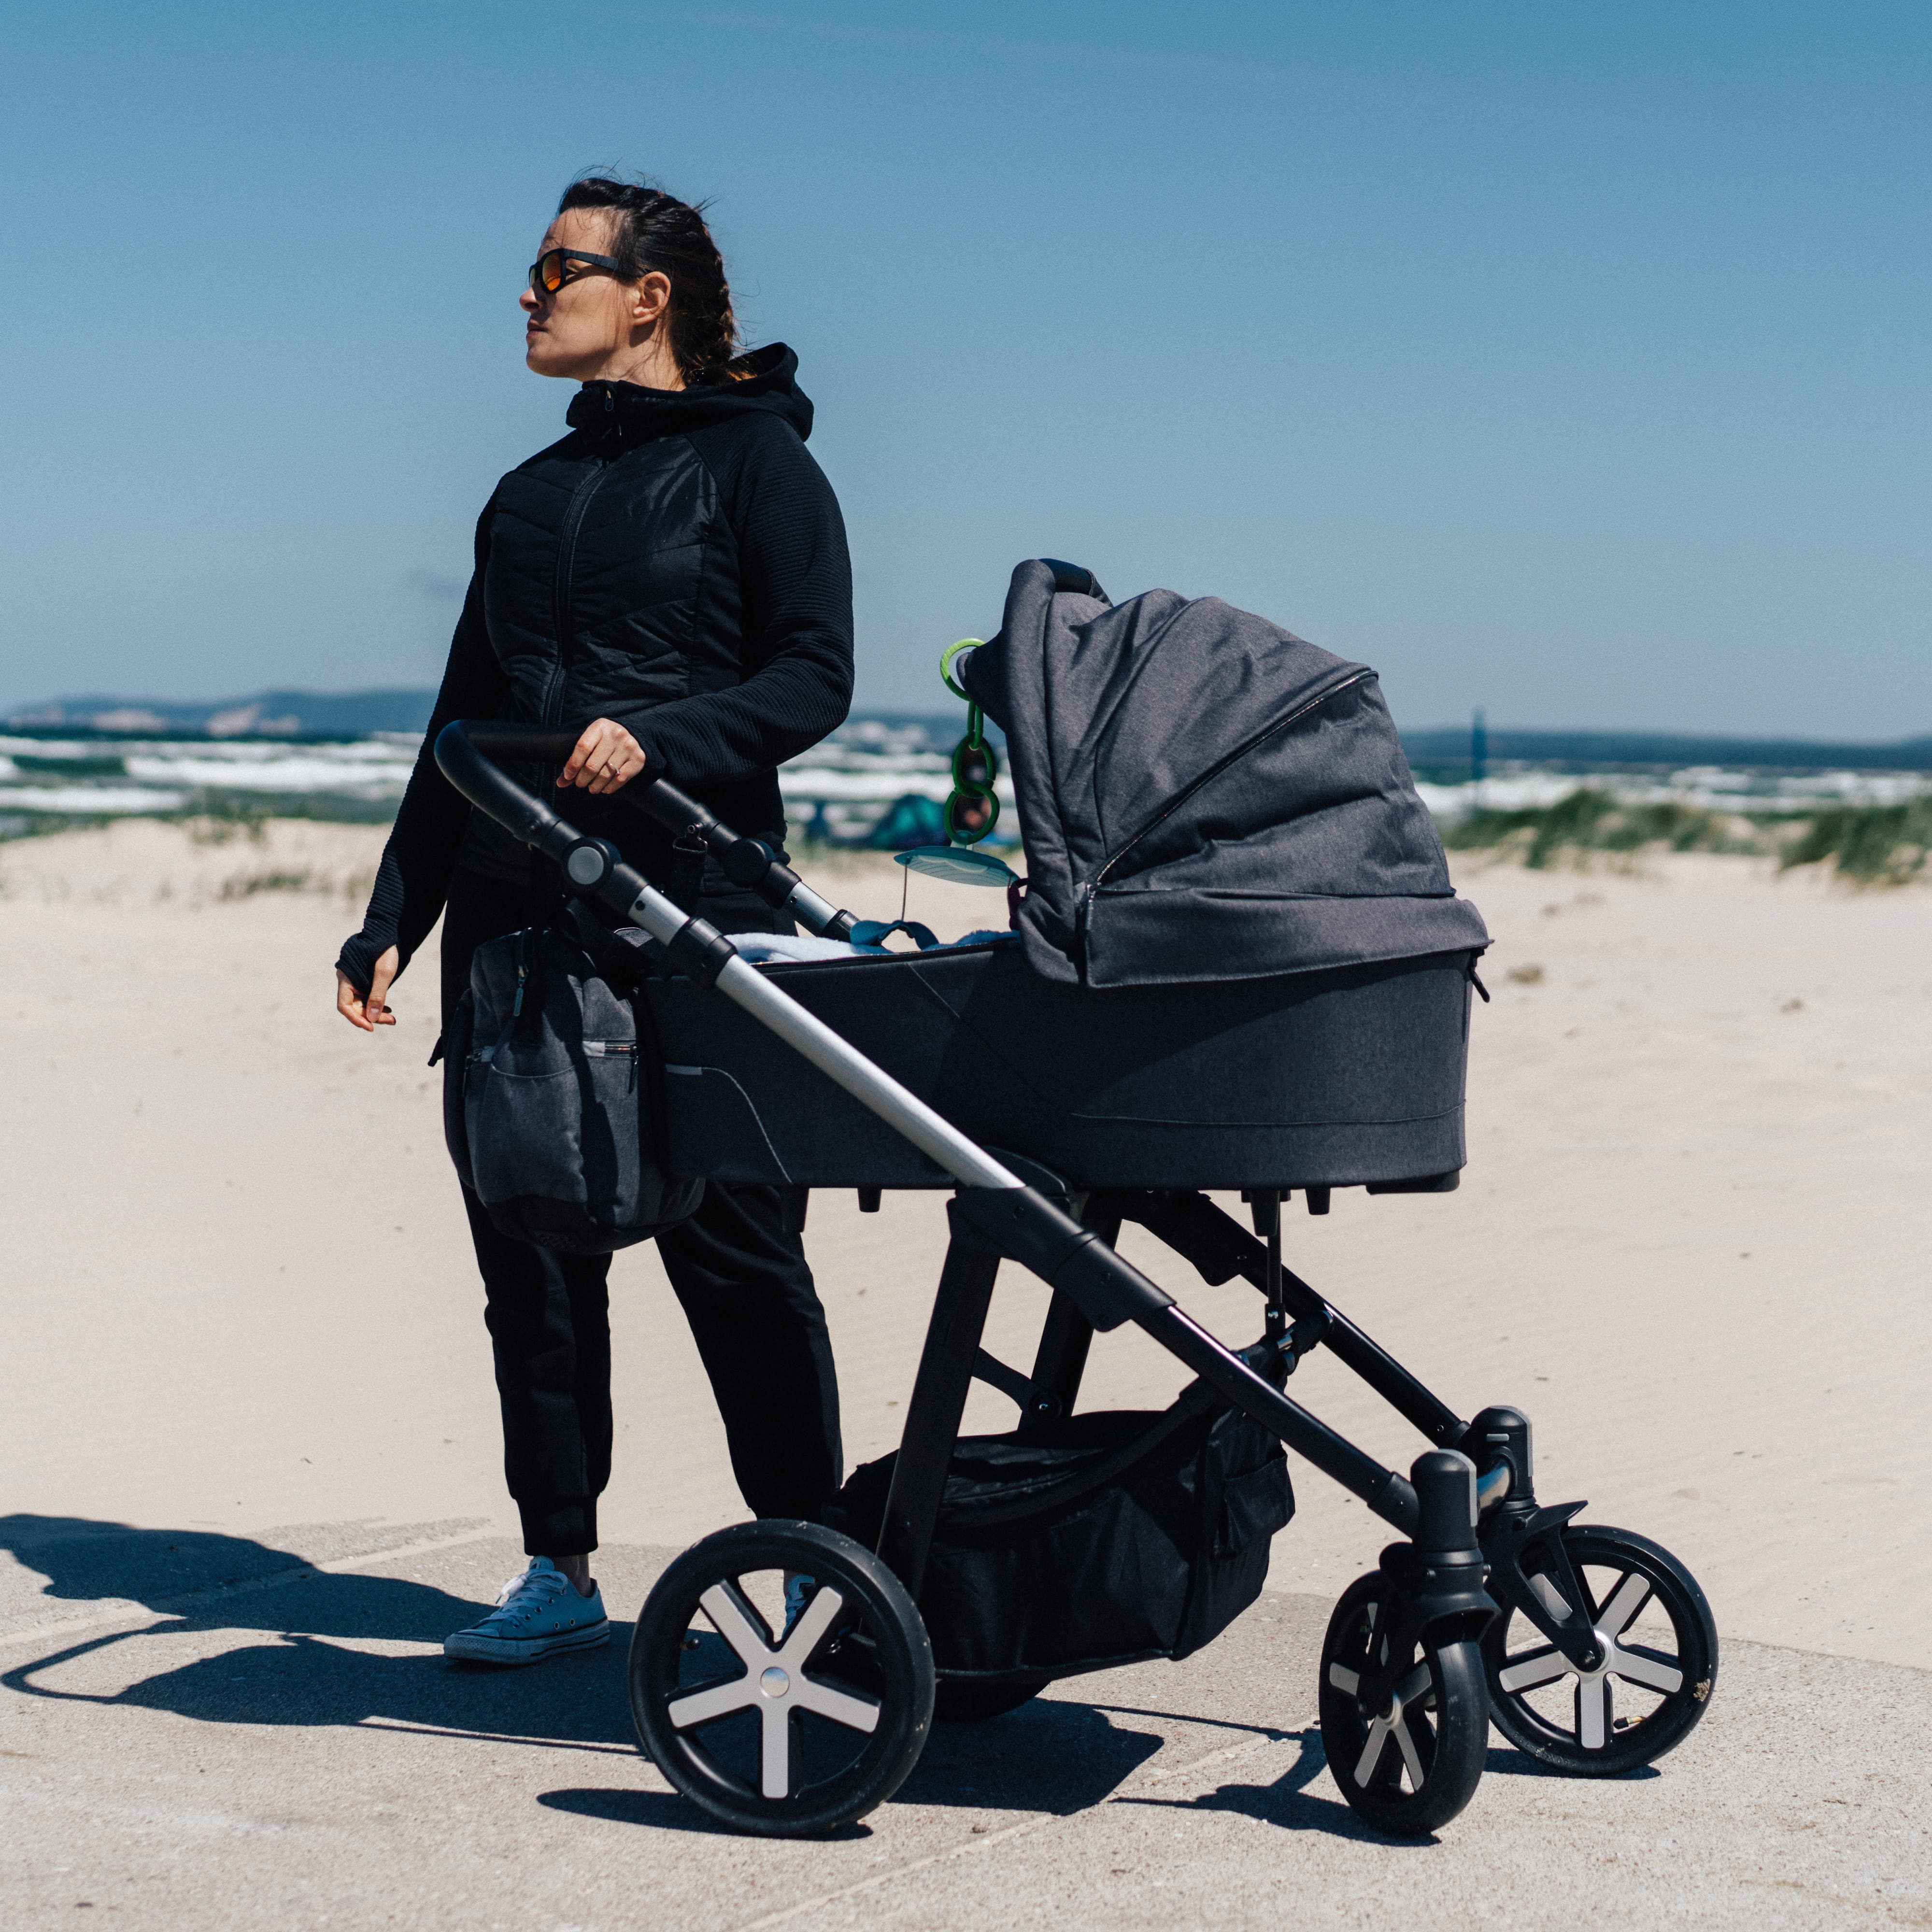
1690, 1240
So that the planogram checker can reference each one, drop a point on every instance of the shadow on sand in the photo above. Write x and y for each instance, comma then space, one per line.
324, 1654
308, 1669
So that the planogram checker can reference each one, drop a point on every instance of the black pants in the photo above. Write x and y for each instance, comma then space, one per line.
741, 1280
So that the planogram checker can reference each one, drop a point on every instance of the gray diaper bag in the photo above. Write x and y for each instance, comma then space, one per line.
551, 1103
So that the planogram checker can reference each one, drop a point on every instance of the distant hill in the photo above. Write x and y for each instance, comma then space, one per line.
1589, 750
271, 714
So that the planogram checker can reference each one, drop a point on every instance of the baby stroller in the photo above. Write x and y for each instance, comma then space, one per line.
1238, 965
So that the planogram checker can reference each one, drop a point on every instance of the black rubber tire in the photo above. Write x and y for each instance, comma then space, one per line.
873, 1652
1648, 1737
1448, 1726
967, 1700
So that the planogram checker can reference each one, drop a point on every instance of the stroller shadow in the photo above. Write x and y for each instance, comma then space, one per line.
307, 1670
1049, 1756
1286, 1802
1054, 1754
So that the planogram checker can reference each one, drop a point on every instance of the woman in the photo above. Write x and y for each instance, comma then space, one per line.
673, 577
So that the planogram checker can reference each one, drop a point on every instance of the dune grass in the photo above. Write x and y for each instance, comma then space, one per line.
1868, 844
1876, 844
1593, 821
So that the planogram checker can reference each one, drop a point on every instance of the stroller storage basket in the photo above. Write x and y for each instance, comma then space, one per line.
1337, 1078
1118, 1536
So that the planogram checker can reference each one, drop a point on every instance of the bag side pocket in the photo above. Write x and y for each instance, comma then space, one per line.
525, 1128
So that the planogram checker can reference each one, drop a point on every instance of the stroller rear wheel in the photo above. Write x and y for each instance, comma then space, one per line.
1656, 1644
1408, 1761
784, 1728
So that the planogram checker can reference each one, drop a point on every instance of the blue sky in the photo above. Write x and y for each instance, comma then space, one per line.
1570, 360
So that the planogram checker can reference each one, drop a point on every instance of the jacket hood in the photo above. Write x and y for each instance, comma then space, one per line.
635, 414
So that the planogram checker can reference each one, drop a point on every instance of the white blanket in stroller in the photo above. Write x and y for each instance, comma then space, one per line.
760, 946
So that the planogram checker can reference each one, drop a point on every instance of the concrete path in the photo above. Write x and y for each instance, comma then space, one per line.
289, 1748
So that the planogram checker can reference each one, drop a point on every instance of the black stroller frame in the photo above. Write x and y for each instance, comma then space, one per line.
1417, 1664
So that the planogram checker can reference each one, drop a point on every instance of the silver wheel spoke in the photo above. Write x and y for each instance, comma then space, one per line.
1412, 1687
855, 1713
1630, 1597
1593, 1713
1372, 1752
1409, 1756
1552, 1599
1343, 1678
701, 1706
1536, 1667
1646, 1667
777, 1754
737, 1624
814, 1620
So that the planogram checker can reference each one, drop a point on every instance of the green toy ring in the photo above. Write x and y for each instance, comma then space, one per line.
945, 658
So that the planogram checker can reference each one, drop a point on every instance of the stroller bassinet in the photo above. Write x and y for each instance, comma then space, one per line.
1241, 961
1239, 964
1342, 1077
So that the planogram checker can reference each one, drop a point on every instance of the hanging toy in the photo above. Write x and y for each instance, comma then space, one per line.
972, 808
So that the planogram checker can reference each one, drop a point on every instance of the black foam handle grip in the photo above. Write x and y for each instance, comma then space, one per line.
466, 749
651, 793
464, 752
541, 742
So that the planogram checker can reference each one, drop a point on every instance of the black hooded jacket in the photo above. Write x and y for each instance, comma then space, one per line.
677, 563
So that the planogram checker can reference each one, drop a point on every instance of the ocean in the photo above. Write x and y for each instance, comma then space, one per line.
844, 792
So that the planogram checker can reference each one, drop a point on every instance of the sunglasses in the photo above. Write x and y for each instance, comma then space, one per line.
556, 266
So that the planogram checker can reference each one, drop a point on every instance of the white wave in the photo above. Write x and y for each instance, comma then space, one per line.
809, 783
55, 748
89, 798
1528, 791
278, 772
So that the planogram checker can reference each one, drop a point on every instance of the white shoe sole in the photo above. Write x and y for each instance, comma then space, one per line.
472, 1649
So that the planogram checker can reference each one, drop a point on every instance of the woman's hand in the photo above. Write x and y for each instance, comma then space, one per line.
607, 757
372, 1011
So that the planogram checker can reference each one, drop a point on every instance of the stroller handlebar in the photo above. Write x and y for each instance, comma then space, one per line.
467, 751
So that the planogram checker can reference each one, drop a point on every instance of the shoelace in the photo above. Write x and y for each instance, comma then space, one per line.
542, 1582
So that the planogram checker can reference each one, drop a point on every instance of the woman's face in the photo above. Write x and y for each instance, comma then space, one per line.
594, 324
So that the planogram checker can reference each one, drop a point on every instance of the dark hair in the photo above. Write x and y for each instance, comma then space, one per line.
651, 229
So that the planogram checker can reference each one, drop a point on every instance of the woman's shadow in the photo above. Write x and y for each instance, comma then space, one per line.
309, 1666
310, 1658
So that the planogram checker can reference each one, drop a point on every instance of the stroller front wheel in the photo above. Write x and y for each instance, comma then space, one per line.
1409, 1761
785, 1722
1656, 1659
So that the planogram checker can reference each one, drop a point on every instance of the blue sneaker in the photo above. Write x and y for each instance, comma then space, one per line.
538, 1615
799, 1590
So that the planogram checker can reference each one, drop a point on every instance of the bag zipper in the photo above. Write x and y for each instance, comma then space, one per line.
1173, 804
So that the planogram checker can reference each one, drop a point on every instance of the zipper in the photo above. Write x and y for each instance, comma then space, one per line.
560, 590
1214, 772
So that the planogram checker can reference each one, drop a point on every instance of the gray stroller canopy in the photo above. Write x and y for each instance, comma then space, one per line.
1203, 795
